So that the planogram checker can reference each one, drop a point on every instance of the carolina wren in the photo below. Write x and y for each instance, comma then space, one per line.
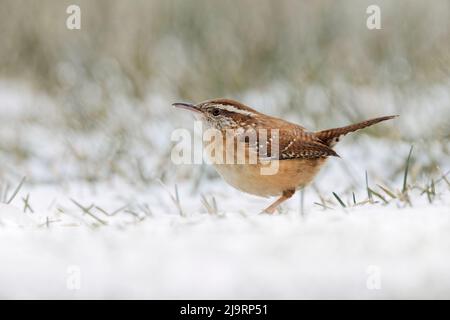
301, 153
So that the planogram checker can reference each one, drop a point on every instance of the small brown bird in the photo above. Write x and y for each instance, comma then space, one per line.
299, 153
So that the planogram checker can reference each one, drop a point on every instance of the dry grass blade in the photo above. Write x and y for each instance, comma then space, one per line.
177, 201
444, 178
364, 202
430, 190
87, 210
324, 206
175, 198
387, 191
302, 202
106, 213
146, 210
211, 208
27, 205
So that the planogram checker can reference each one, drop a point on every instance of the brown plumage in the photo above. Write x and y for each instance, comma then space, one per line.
298, 158
332, 136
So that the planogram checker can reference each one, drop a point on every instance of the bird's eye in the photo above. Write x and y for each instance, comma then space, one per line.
215, 112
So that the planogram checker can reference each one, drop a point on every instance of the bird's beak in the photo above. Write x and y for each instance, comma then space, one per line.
187, 106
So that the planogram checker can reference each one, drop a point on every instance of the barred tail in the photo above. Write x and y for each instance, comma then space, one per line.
331, 136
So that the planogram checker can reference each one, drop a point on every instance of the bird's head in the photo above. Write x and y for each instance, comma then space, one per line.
221, 114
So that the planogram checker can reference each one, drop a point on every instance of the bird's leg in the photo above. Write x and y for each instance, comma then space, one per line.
286, 195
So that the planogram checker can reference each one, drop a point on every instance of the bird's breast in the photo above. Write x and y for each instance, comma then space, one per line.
289, 174
241, 167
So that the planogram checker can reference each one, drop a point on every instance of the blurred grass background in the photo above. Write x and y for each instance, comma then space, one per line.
99, 97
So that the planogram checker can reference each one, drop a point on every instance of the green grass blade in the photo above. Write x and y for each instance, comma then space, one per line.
405, 177
369, 195
16, 191
324, 206
379, 196
339, 199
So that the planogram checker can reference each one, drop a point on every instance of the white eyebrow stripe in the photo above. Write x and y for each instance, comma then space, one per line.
230, 108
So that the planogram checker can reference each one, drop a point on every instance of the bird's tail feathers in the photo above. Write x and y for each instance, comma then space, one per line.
331, 136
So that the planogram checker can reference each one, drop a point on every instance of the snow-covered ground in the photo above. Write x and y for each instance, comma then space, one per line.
113, 238
367, 252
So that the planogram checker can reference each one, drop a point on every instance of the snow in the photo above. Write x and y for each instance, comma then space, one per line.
240, 255
14, 217
323, 256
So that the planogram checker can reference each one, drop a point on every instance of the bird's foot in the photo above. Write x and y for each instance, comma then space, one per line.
268, 210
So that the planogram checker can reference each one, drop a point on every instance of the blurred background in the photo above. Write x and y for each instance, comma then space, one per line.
93, 104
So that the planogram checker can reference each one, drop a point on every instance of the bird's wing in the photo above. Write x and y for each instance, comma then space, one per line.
293, 142
302, 145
